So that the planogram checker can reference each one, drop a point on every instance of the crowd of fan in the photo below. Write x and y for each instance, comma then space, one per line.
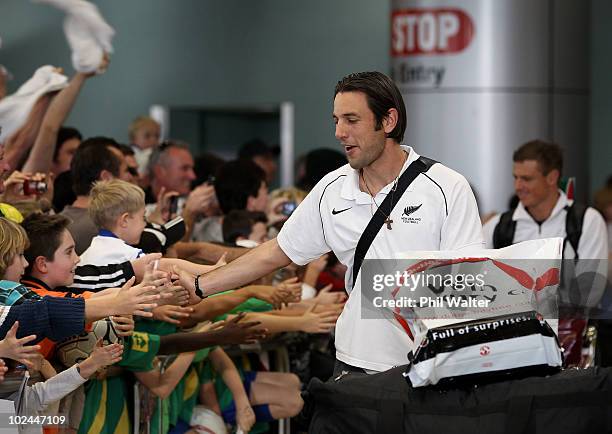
99, 235
102, 245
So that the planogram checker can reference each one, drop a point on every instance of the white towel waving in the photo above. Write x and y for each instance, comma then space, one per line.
88, 34
15, 108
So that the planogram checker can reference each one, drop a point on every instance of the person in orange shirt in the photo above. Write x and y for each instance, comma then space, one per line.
50, 264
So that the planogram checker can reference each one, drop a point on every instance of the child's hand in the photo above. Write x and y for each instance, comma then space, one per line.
207, 326
134, 300
245, 418
321, 322
155, 277
106, 355
174, 295
171, 314
16, 349
326, 296
265, 293
35, 363
161, 280
287, 291
235, 331
124, 324
100, 357
139, 265
275, 295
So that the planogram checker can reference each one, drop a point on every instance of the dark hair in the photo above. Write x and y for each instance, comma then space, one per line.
257, 147
317, 164
90, 159
239, 223
205, 166
63, 135
236, 181
63, 195
124, 149
548, 155
45, 234
382, 94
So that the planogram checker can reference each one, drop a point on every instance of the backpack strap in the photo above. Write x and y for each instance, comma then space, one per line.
420, 165
574, 220
503, 234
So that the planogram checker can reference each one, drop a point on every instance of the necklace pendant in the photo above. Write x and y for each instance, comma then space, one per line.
388, 222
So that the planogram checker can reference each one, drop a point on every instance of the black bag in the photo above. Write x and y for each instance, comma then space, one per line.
572, 401
481, 351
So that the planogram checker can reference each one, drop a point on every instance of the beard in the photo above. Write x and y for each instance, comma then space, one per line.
369, 155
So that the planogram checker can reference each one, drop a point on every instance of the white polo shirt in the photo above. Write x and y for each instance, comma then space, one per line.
593, 243
106, 250
334, 215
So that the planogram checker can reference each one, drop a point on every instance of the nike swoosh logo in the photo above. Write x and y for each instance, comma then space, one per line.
334, 212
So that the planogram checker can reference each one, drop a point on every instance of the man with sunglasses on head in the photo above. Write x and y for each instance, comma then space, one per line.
130, 172
103, 159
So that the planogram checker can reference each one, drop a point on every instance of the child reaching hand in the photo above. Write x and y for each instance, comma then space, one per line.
17, 349
34, 399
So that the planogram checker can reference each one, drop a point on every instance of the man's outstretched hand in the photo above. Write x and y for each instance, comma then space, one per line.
187, 281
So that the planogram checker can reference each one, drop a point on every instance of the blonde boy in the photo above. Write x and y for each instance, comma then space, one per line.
117, 208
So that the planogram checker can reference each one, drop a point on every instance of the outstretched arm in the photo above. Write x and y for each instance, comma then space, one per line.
308, 322
209, 252
233, 332
245, 269
16, 146
41, 156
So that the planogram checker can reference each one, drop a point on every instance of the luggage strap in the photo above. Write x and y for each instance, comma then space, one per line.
418, 166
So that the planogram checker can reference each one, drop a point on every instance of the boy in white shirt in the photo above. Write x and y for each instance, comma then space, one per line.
117, 208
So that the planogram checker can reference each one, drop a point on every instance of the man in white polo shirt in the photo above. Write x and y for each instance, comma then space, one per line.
545, 211
542, 209
436, 212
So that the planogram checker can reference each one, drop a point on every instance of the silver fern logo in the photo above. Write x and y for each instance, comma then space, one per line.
408, 211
